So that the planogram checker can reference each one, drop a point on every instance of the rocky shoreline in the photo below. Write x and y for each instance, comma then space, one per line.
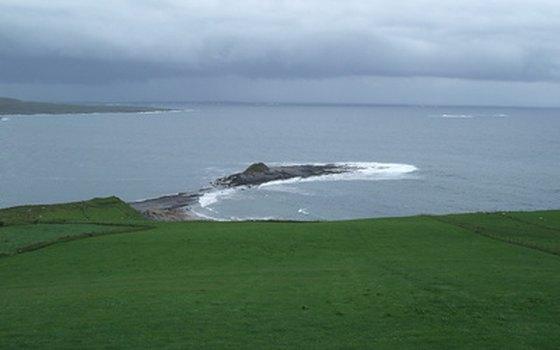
179, 207
170, 208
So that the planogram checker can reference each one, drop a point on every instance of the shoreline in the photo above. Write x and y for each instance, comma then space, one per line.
12, 106
178, 207
175, 207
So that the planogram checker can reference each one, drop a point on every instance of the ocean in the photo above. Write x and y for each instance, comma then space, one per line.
411, 159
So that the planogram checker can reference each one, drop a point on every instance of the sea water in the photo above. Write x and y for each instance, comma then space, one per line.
412, 160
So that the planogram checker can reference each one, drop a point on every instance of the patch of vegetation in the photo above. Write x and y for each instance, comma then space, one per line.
28, 228
14, 106
403, 283
110, 209
256, 168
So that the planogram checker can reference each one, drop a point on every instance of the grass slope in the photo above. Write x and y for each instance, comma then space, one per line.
14, 106
31, 227
404, 283
110, 209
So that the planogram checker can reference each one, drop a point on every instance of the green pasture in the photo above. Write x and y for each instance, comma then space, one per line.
472, 281
110, 209
31, 227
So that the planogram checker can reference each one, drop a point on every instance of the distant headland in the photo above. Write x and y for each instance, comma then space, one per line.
10, 106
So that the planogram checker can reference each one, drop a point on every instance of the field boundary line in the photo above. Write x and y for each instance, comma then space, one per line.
68, 238
480, 232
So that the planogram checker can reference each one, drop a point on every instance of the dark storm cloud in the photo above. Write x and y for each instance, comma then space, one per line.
103, 41
45, 69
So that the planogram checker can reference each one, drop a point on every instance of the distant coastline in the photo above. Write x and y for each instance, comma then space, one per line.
11, 106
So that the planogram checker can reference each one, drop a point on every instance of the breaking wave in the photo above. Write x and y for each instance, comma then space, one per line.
457, 116
357, 171
469, 116
216, 196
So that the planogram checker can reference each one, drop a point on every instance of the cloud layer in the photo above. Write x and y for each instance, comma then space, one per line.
63, 41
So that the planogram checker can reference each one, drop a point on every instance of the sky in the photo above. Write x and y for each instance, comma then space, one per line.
475, 52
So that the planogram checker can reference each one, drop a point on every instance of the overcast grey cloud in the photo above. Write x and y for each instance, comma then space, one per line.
121, 42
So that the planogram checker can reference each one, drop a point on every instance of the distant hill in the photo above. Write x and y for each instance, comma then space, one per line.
14, 106
110, 209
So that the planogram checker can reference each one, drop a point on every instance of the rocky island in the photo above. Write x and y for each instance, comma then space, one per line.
259, 173
179, 207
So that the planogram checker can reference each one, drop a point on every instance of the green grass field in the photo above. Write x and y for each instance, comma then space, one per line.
472, 281
108, 210
32, 227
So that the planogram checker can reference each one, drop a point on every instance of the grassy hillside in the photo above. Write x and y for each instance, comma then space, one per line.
453, 282
110, 209
31, 227
14, 106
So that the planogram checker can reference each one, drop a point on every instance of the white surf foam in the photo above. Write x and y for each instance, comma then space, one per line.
469, 116
457, 116
364, 171
358, 171
255, 218
207, 217
214, 197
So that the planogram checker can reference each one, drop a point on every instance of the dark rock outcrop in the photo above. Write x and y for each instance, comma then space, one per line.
259, 173
169, 208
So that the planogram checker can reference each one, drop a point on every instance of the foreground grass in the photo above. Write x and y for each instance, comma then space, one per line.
406, 283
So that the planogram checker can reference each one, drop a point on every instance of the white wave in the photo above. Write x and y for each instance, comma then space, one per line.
233, 218
149, 112
254, 218
185, 110
457, 116
497, 115
469, 116
214, 197
4, 119
359, 171
207, 217
366, 171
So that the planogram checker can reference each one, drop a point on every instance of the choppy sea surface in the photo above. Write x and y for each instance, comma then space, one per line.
410, 160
